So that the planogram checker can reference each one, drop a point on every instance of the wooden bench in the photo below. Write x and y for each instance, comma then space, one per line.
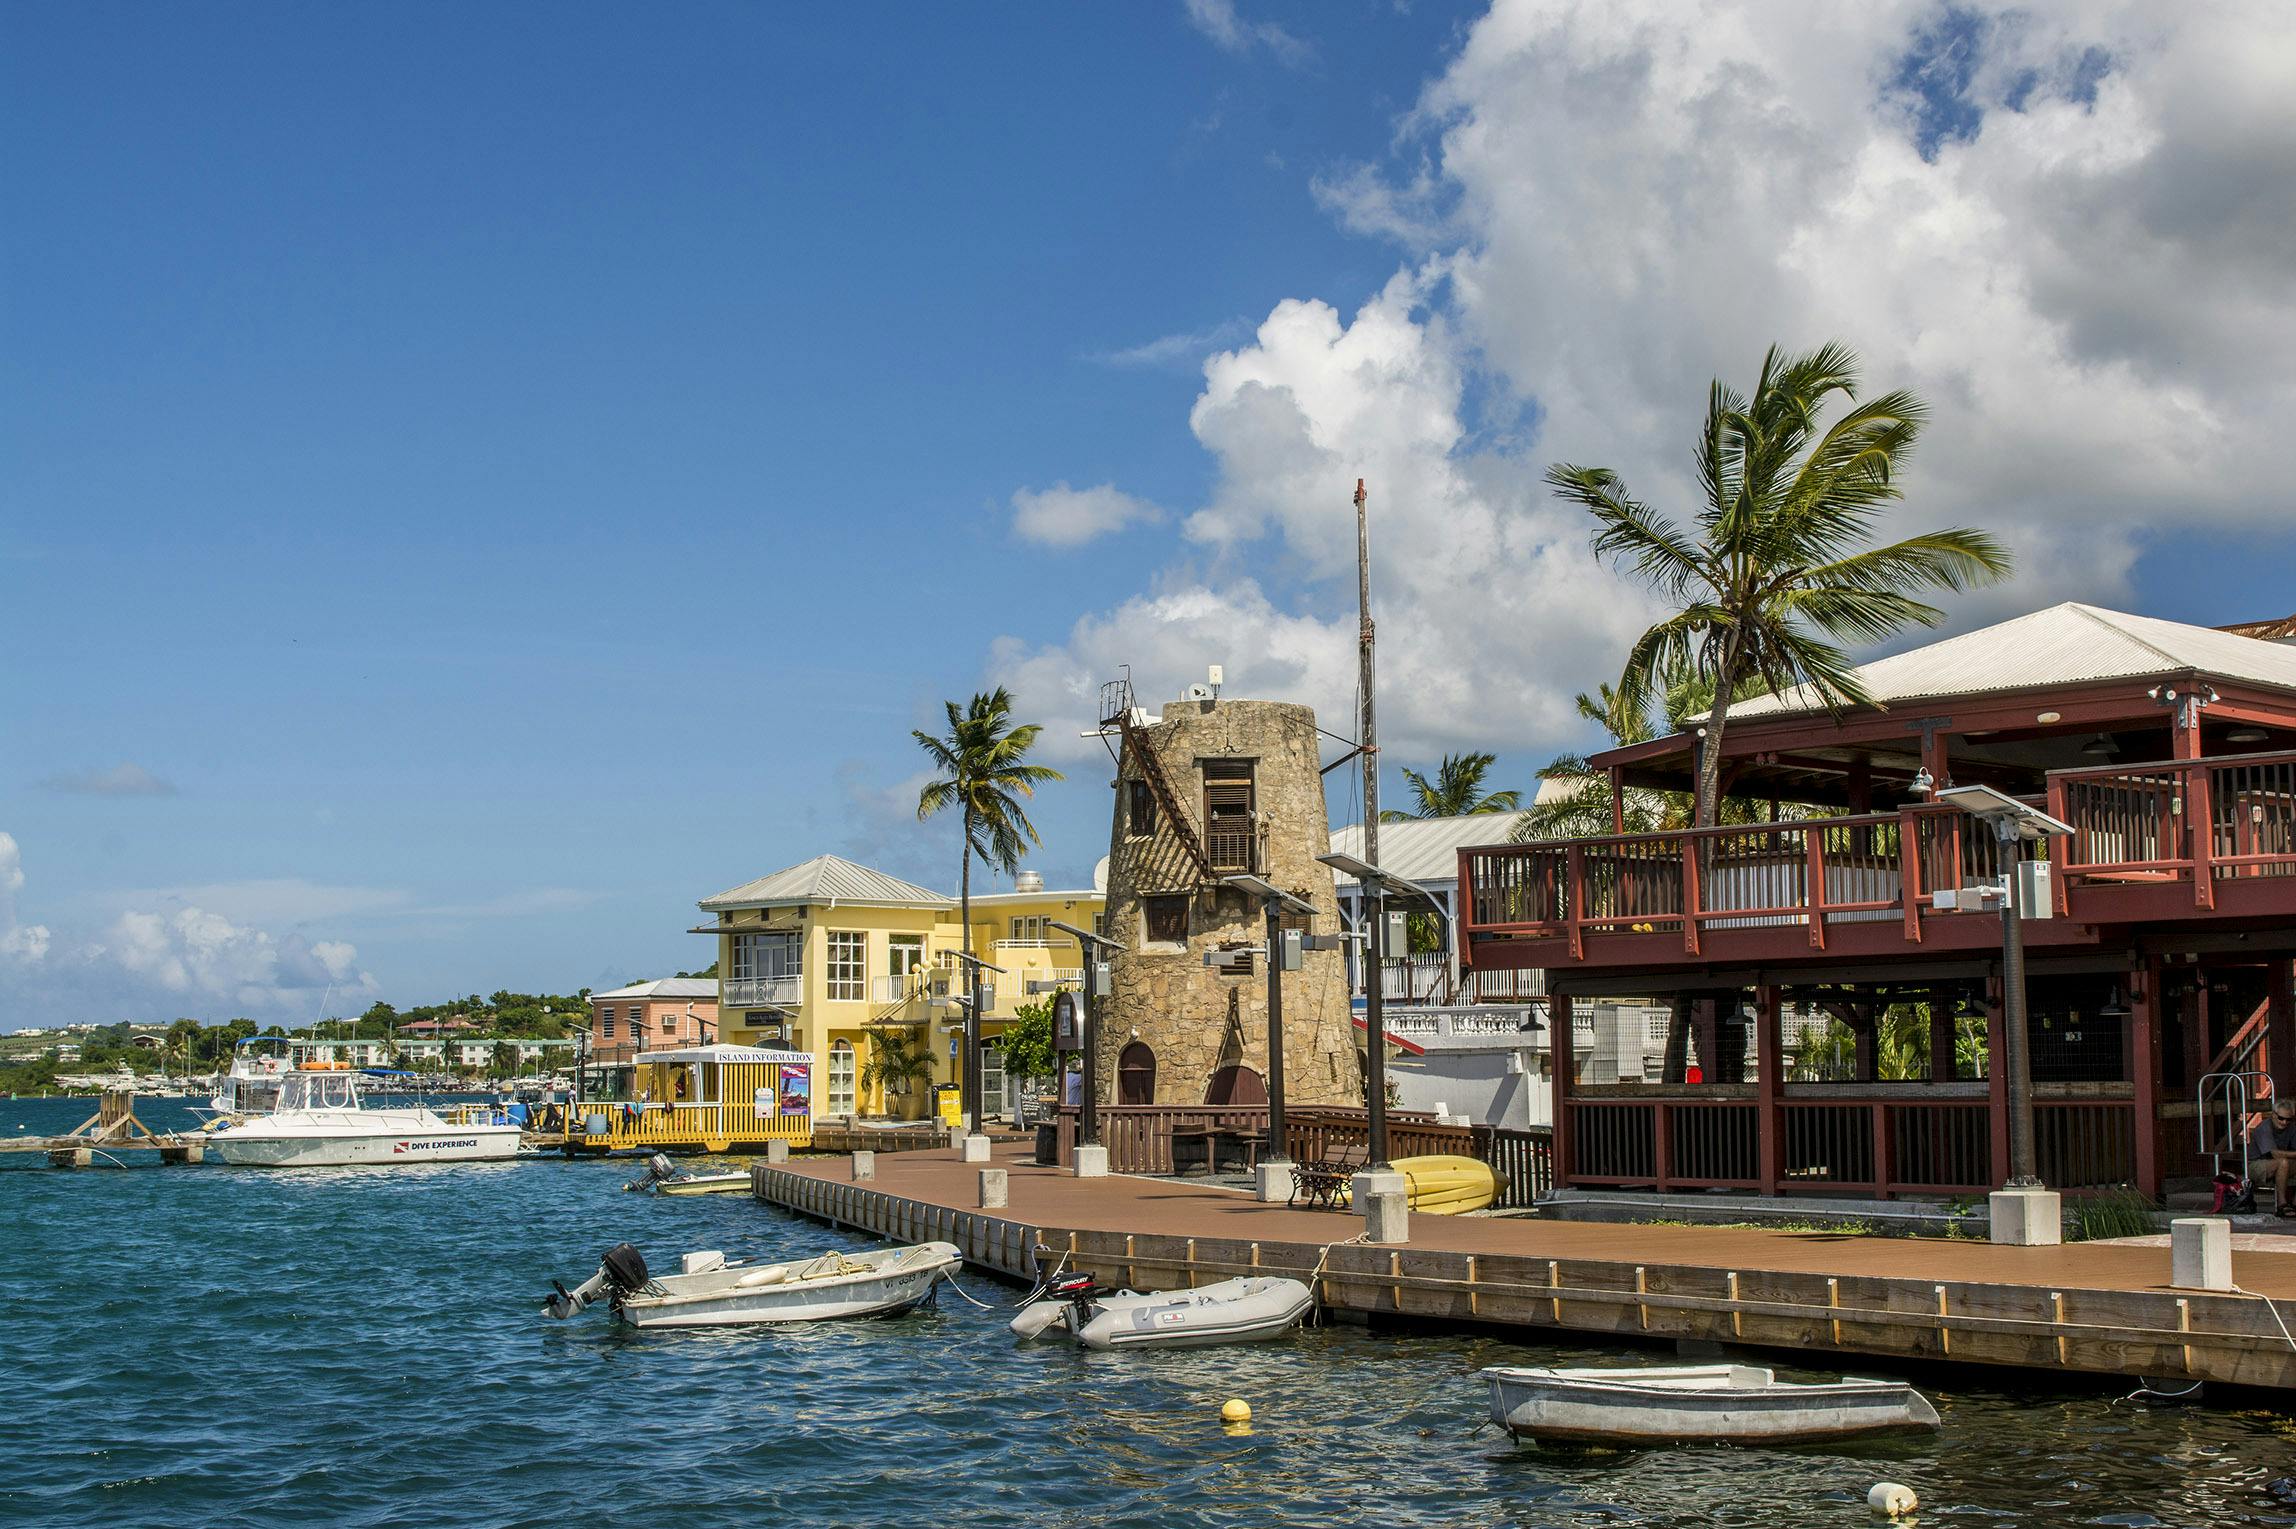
1320, 1182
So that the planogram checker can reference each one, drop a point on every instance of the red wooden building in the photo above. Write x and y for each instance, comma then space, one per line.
2171, 752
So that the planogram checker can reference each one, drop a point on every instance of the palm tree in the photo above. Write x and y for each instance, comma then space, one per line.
899, 1059
1771, 578
984, 772
1456, 792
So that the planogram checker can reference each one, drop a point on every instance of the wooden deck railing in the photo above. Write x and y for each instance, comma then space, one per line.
1841, 1143
1139, 1139
2202, 822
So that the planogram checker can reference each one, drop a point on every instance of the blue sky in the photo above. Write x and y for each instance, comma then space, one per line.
481, 478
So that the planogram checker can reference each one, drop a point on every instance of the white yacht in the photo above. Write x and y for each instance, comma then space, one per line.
277, 1110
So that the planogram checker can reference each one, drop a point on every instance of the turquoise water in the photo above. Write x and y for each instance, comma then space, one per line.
211, 1347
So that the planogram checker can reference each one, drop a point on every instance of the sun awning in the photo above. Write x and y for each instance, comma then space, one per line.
1393, 1039
725, 1053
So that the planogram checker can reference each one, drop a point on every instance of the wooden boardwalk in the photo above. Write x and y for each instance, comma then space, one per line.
2097, 1308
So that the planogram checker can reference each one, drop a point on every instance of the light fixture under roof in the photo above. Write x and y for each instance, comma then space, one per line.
2101, 744
2246, 735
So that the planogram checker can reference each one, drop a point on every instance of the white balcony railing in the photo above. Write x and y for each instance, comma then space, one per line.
779, 992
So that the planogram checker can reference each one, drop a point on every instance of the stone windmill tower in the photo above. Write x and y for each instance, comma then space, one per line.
1211, 788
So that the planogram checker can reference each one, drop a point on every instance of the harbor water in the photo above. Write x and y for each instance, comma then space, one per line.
210, 1346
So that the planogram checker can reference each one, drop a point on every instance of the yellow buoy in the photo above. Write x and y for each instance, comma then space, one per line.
1891, 1498
1235, 1410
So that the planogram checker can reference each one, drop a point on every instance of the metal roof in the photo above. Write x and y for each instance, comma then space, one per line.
824, 879
2062, 645
666, 987
1425, 849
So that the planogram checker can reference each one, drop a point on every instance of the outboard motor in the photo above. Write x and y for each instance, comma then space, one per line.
621, 1272
1068, 1299
659, 1170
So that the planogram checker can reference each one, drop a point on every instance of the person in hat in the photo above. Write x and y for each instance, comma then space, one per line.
2272, 1153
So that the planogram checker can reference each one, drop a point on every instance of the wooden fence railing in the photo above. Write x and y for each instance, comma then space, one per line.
1139, 1139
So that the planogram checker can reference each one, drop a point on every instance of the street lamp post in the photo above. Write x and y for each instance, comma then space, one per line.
2023, 1212
1274, 1169
1090, 1159
976, 1143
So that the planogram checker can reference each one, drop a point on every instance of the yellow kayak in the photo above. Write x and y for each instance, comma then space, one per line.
1446, 1186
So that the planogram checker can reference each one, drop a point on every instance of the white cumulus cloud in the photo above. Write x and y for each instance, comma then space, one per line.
25, 944
2071, 230
1061, 516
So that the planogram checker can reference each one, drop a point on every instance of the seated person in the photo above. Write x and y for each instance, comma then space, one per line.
2272, 1153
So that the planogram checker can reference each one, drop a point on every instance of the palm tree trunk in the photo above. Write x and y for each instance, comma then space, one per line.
972, 1029
1708, 810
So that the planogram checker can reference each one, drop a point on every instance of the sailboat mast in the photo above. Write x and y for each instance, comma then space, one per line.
1371, 894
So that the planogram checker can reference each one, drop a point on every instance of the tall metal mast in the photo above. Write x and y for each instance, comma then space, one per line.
1372, 899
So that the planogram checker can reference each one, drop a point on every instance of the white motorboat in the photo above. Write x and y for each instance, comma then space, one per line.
710, 1291
1231, 1311
664, 1177
275, 1111
1697, 1404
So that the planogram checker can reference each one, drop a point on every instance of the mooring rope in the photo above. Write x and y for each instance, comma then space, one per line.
950, 1281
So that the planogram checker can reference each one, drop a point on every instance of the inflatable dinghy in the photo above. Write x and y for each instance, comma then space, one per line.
1232, 1311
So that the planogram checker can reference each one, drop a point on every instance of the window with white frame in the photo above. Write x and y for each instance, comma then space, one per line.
758, 956
841, 1078
904, 953
1032, 926
848, 965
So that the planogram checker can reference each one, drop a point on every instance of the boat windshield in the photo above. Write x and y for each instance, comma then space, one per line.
318, 1091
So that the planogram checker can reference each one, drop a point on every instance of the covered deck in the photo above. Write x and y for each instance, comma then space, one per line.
717, 1098
1836, 1007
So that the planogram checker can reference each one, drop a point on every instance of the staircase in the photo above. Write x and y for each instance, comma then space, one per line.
1118, 710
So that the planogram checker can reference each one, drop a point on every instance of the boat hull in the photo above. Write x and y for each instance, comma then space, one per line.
873, 1285
707, 1184
253, 1147
1232, 1311
1699, 1405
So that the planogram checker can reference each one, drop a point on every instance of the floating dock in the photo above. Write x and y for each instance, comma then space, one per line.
2098, 1308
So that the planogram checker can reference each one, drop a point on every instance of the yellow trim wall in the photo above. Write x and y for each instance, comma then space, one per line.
822, 1023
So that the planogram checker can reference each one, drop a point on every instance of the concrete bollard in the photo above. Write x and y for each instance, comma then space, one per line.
1090, 1163
1387, 1217
2200, 1253
1385, 1205
2025, 1217
777, 1152
976, 1149
864, 1166
993, 1189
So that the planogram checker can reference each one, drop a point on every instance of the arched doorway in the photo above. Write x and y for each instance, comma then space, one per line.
1236, 1085
1136, 1074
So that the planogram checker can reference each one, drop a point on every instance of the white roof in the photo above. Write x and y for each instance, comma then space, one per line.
825, 879
1425, 850
666, 987
724, 1053
2062, 645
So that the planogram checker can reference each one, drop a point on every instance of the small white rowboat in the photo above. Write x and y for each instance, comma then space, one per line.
1694, 1404
1231, 1311
708, 1291
706, 1184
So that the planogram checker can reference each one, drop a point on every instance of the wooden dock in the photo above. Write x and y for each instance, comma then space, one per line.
2102, 1309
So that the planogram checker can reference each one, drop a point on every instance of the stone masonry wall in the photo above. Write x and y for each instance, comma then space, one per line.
1198, 1019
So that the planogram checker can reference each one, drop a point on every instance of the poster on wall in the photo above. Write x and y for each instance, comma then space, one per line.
765, 1104
796, 1090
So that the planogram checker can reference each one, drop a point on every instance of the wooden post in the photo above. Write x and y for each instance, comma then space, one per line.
1909, 871
2144, 1073
2199, 1044
2280, 1024
1997, 1080
1769, 1065
1559, 1058
1814, 884
1943, 1035
1662, 1143
1617, 800
2200, 835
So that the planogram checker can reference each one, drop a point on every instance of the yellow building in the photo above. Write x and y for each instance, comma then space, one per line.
859, 968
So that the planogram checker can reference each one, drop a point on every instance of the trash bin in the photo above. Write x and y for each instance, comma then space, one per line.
949, 1104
